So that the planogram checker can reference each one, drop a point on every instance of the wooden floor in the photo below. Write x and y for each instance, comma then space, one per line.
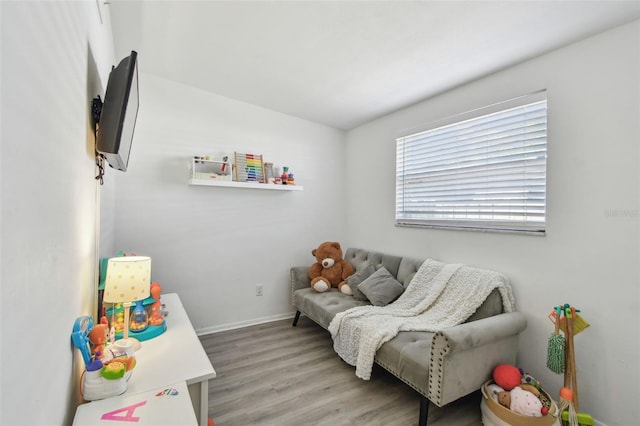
276, 374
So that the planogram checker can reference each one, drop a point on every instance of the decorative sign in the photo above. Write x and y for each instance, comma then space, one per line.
129, 417
168, 392
165, 406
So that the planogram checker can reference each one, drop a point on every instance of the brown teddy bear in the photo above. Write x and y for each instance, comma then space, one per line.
99, 335
330, 270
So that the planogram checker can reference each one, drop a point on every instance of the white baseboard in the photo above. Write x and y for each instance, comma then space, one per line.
241, 324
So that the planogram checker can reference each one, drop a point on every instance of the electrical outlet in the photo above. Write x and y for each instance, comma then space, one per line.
258, 289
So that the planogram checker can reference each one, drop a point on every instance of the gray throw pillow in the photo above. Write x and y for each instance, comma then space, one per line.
364, 271
381, 288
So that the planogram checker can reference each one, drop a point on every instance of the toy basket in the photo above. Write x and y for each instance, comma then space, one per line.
494, 414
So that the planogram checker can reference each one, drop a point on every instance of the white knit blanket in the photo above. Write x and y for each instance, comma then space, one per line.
439, 296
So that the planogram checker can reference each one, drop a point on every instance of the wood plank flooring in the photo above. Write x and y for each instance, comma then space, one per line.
276, 374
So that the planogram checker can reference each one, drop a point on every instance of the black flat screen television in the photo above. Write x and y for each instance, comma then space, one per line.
119, 112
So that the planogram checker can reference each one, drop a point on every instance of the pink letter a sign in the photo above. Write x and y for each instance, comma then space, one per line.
128, 417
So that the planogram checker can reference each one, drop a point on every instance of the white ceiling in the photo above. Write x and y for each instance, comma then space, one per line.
343, 63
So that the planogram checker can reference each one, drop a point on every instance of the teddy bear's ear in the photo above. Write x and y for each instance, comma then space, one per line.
313, 252
336, 245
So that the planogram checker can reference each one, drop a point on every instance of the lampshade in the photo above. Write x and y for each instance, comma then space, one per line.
128, 279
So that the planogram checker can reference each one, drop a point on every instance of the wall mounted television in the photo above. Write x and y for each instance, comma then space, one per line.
117, 117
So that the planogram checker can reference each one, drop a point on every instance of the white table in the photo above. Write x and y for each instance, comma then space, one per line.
164, 406
173, 357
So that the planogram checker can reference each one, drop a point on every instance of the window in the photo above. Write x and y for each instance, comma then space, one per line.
483, 170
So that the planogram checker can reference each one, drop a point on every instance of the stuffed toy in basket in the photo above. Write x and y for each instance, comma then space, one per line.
495, 414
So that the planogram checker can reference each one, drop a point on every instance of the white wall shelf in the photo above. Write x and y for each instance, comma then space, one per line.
246, 185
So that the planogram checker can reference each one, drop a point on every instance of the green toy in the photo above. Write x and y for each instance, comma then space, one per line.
555, 349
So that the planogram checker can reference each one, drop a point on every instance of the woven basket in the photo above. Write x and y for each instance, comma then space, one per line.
515, 419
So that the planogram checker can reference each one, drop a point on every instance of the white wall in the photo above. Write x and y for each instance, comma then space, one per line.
213, 245
55, 58
590, 255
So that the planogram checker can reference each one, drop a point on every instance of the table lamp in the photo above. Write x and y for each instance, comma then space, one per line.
128, 279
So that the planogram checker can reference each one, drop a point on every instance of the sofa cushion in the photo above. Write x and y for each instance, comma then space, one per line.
491, 306
322, 307
407, 269
363, 271
407, 357
381, 288
358, 256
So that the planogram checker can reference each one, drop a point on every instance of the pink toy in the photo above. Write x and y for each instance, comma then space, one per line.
522, 402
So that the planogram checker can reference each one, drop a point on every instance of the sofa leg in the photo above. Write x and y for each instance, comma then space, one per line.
424, 411
295, 320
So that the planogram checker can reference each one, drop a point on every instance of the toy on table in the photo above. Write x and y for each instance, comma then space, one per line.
102, 379
155, 316
107, 379
96, 386
151, 307
79, 336
139, 319
99, 336
117, 312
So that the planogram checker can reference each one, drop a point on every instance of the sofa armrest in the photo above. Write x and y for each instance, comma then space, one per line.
463, 357
299, 279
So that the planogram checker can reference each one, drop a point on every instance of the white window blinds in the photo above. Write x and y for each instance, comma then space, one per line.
482, 170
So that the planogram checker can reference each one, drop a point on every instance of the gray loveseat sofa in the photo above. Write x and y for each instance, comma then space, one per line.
441, 366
